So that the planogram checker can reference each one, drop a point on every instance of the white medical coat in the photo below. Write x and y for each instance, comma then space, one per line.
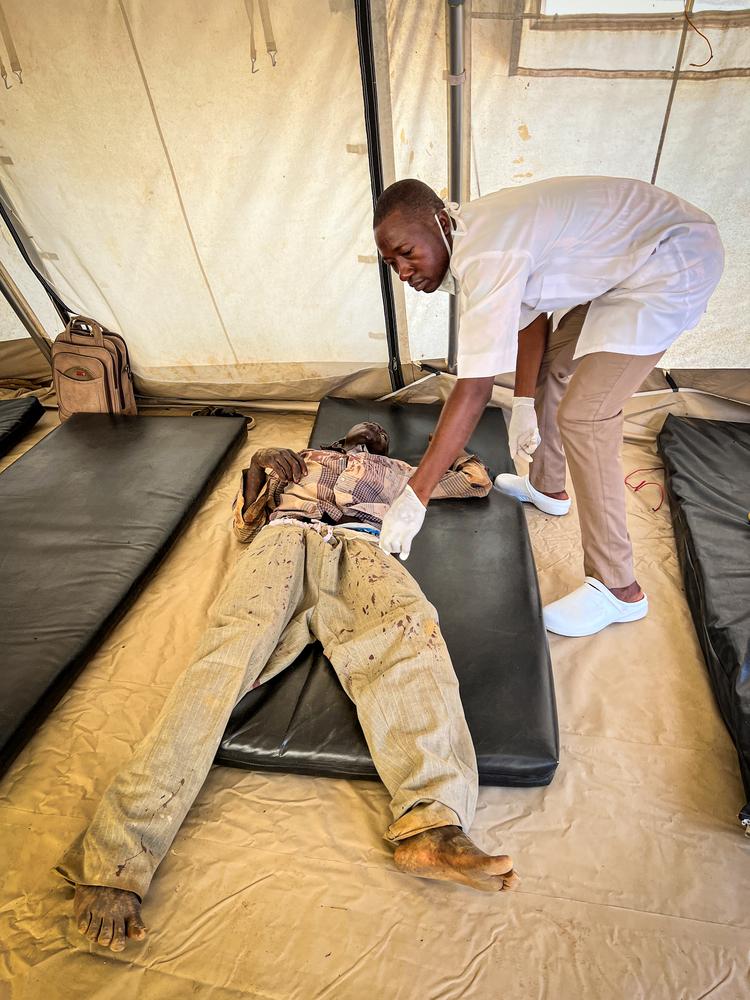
646, 260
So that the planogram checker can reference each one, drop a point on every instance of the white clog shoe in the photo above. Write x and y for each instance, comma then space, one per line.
590, 609
520, 488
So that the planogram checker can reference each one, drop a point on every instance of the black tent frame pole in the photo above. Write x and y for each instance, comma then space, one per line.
374, 155
63, 311
16, 300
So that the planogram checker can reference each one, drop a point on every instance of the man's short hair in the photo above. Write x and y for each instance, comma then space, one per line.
410, 196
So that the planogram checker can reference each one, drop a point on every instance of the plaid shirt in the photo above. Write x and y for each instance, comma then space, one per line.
348, 486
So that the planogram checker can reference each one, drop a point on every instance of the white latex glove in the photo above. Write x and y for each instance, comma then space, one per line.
523, 430
402, 523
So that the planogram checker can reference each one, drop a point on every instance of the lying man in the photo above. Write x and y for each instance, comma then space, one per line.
313, 571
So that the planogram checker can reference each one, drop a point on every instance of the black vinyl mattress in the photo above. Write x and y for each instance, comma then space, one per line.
85, 517
473, 560
17, 417
707, 465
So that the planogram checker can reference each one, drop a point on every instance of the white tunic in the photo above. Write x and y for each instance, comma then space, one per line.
647, 261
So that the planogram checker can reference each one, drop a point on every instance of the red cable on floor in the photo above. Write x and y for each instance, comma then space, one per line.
647, 482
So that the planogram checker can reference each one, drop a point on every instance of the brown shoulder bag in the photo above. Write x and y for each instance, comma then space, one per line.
91, 370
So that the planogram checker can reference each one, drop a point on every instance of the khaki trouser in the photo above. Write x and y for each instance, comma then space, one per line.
383, 639
579, 405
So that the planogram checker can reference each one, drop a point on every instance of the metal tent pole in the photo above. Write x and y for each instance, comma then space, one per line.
25, 313
456, 77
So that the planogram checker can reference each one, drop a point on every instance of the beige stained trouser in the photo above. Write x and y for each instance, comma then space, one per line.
579, 406
383, 639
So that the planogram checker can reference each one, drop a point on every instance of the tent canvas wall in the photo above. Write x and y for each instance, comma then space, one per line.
215, 208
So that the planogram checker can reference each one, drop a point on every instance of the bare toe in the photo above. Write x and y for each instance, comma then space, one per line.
118, 938
511, 881
136, 928
499, 864
492, 883
94, 927
105, 934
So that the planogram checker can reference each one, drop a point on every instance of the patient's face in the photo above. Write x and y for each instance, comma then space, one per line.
368, 433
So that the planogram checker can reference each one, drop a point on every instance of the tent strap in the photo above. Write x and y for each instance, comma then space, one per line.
10, 48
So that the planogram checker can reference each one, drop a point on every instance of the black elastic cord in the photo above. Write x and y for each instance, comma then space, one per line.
62, 309
374, 155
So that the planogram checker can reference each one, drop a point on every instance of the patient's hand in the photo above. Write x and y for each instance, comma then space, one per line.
284, 463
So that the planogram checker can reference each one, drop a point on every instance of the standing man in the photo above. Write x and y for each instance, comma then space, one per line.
634, 265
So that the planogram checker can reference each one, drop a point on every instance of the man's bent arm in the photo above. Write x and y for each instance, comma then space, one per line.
467, 477
259, 491
253, 481
460, 416
532, 343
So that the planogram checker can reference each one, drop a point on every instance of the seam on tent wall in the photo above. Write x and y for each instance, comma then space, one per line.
636, 74
617, 22
475, 166
168, 158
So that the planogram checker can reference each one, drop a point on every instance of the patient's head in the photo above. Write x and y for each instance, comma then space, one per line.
368, 433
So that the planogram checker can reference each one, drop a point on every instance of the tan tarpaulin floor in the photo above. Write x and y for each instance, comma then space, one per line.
636, 876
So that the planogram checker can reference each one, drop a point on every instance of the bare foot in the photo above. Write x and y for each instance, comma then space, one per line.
630, 594
562, 495
108, 916
447, 854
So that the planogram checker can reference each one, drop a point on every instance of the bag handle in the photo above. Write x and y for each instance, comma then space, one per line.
81, 329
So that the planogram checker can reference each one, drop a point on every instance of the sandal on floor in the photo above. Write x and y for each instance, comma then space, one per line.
223, 411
